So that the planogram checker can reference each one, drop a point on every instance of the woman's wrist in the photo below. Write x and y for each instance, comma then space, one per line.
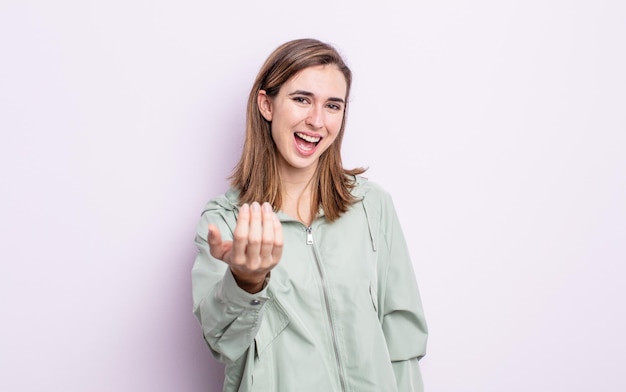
252, 284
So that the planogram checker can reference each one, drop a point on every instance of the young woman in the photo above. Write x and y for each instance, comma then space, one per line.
303, 281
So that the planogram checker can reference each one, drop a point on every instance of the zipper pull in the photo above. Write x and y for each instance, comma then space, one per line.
309, 236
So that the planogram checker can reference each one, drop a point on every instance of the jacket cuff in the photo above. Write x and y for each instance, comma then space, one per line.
230, 293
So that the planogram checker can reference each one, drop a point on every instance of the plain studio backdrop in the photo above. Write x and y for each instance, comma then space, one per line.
499, 127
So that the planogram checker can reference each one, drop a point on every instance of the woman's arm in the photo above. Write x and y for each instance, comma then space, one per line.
403, 321
229, 315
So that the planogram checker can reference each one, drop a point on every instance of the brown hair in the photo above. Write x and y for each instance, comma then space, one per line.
256, 175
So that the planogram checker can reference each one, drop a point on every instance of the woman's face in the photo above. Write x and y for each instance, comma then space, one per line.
305, 116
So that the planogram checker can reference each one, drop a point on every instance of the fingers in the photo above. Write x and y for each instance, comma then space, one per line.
240, 235
257, 239
262, 237
267, 234
256, 246
255, 235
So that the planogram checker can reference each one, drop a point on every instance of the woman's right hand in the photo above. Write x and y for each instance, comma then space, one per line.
256, 248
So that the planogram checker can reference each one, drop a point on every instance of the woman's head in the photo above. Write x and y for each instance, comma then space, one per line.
287, 61
258, 167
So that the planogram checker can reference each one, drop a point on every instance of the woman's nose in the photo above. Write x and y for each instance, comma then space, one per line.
315, 118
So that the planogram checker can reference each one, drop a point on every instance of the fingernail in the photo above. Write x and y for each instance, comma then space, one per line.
245, 206
256, 207
267, 207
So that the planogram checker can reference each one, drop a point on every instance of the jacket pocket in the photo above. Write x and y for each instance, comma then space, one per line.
273, 323
374, 297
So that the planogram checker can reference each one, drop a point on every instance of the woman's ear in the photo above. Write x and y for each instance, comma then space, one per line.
265, 105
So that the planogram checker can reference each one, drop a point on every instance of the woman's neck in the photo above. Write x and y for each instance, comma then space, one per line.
297, 193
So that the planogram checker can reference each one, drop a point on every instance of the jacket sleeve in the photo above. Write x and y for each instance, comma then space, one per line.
402, 315
229, 316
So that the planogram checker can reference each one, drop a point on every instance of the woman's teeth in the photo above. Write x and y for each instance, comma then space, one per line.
309, 139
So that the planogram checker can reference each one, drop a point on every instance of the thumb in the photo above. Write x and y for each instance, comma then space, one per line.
216, 245
213, 236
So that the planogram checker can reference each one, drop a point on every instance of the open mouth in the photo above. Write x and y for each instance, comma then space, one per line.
306, 142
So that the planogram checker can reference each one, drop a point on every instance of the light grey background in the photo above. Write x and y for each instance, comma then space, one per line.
498, 126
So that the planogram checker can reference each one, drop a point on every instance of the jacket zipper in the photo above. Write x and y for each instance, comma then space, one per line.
309, 241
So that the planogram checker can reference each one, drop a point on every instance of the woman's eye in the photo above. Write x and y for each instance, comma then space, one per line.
300, 99
334, 106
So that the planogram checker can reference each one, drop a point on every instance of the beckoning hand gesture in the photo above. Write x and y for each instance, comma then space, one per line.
256, 247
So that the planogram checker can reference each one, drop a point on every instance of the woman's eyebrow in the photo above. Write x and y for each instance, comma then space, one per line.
310, 94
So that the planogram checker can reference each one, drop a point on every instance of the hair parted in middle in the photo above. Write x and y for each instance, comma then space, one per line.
256, 175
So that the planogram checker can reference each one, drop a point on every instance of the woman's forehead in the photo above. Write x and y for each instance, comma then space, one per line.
323, 80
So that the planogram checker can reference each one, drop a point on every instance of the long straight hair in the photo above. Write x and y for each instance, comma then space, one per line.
256, 176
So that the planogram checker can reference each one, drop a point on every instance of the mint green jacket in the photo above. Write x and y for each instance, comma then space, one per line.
340, 312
